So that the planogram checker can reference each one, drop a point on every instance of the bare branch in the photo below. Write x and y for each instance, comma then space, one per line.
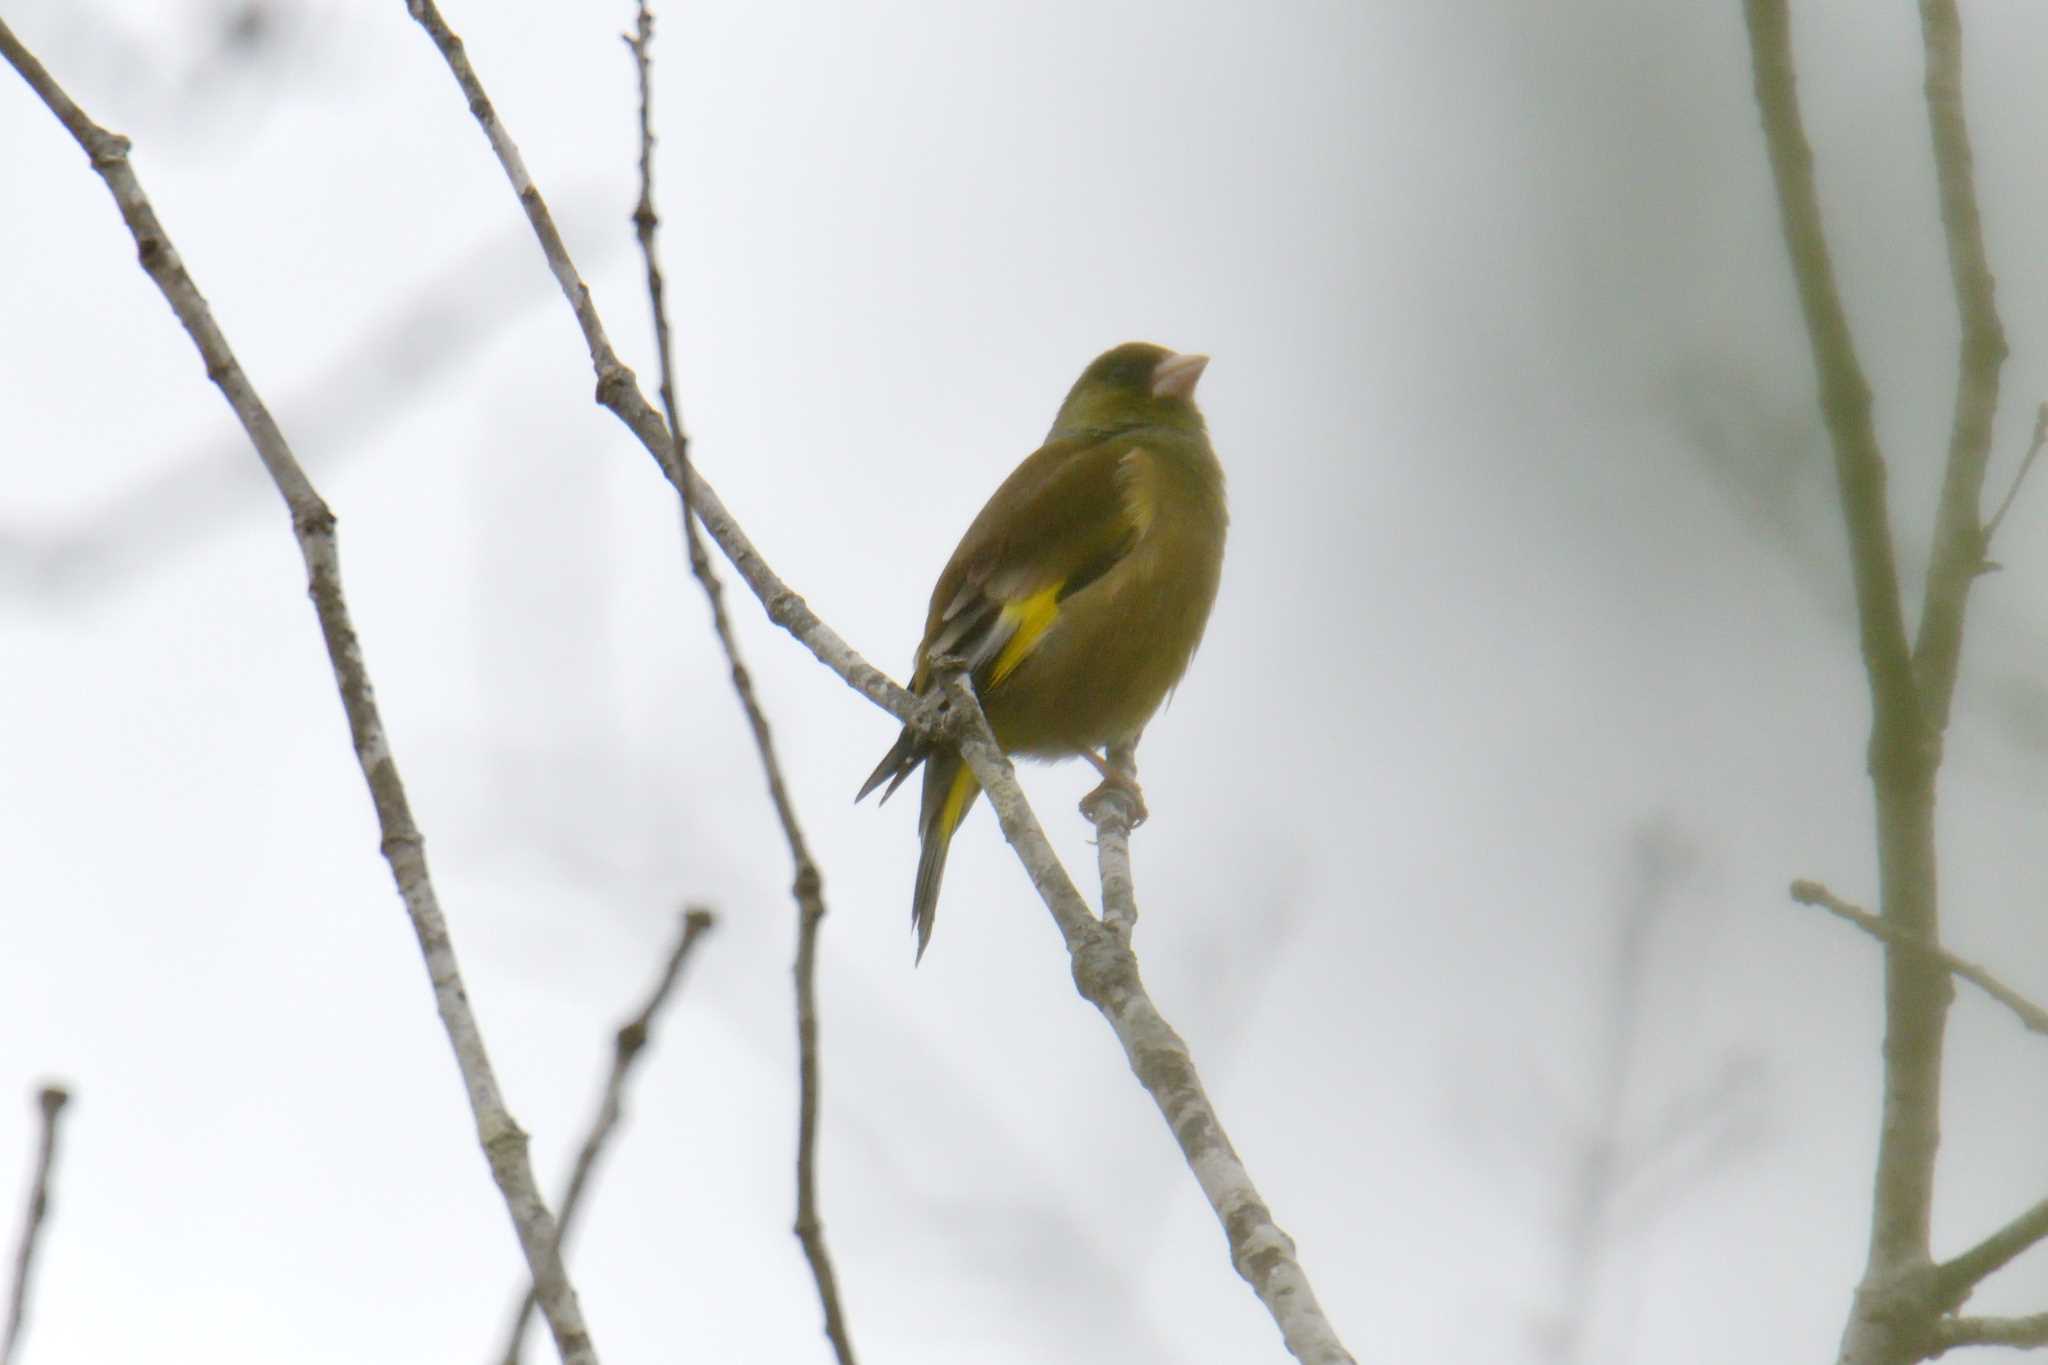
1958, 536
1596, 1172
618, 391
1844, 393
1904, 750
50, 1102
809, 885
2028, 1333
2031, 1015
1106, 973
503, 1142
1104, 970
1956, 1277
627, 1045
1113, 811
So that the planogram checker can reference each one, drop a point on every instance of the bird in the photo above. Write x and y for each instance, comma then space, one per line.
1078, 595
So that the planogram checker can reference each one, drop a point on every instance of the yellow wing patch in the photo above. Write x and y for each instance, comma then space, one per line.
1031, 617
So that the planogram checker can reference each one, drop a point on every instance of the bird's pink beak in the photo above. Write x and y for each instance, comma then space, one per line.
1175, 376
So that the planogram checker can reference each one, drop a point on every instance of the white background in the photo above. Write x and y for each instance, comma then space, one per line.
1533, 550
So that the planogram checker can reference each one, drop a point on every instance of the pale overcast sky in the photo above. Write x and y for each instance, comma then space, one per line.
1534, 565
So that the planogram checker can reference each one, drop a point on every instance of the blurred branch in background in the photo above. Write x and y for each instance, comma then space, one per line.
1767, 456
1764, 451
808, 886
1593, 1182
374, 383
1620, 1174
627, 1045
50, 1102
404, 848
1104, 969
195, 55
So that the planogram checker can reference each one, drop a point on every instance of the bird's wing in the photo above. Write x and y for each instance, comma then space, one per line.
1058, 523
1061, 521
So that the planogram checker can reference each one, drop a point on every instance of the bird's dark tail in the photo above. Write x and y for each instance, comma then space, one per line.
899, 763
949, 792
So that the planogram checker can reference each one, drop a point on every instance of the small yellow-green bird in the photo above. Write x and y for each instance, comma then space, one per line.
1078, 595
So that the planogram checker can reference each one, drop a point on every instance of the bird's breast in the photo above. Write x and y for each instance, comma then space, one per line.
1115, 650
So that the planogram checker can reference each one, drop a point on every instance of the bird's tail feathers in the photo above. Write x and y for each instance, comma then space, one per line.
949, 791
897, 765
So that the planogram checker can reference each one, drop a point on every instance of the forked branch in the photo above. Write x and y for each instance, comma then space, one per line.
1104, 969
1956, 1277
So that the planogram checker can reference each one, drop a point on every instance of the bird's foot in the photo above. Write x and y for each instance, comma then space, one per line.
1114, 784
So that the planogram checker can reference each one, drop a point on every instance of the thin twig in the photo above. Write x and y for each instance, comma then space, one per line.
50, 1102
1596, 1173
2027, 1334
1957, 1276
504, 1144
627, 1045
1697, 1135
2033, 450
1959, 536
2030, 1015
1105, 972
1113, 811
808, 886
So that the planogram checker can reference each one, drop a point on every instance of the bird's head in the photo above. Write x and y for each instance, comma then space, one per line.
1136, 384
